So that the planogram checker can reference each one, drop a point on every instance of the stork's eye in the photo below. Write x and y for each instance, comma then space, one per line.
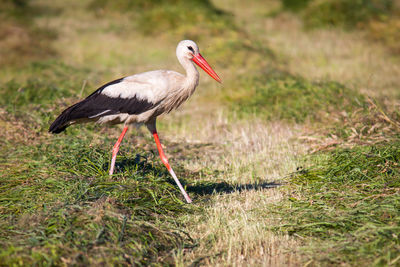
190, 48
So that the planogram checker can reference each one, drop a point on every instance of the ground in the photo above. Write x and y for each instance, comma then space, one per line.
293, 160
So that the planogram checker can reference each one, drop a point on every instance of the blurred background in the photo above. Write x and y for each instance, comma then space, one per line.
253, 45
308, 86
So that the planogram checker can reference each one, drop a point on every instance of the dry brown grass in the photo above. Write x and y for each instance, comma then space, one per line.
19, 44
21, 40
334, 55
387, 31
234, 229
251, 149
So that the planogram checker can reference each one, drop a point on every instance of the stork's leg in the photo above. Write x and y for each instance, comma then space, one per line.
116, 148
171, 171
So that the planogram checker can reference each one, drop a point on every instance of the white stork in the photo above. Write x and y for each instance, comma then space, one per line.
139, 99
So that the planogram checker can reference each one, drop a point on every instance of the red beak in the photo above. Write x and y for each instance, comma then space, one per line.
202, 63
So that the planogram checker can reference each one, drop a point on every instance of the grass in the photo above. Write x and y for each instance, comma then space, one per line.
346, 204
294, 99
331, 54
183, 17
52, 81
22, 41
61, 206
379, 19
346, 13
231, 230
341, 13
235, 147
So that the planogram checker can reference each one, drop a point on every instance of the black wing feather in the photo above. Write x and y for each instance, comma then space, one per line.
102, 105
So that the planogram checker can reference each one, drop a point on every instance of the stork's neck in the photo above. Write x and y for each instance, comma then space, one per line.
192, 75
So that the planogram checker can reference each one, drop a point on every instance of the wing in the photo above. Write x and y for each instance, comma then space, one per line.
132, 95
116, 97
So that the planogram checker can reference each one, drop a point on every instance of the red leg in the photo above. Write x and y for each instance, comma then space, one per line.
171, 171
116, 148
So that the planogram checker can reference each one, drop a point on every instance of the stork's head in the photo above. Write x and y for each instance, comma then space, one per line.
189, 49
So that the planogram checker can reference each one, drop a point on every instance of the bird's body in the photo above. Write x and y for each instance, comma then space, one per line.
139, 99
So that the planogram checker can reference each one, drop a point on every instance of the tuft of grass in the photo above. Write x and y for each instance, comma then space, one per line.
345, 207
295, 99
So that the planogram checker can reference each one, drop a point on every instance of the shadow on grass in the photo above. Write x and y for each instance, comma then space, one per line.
145, 166
124, 164
224, 187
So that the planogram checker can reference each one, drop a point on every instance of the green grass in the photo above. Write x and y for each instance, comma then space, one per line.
342, 13
346, 206
58, 204
294, 99
32, 99
295, 5
170, 16
48, 81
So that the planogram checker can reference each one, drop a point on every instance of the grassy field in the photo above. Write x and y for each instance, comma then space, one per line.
293, 160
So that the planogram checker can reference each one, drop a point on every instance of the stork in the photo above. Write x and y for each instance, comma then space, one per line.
140, 99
